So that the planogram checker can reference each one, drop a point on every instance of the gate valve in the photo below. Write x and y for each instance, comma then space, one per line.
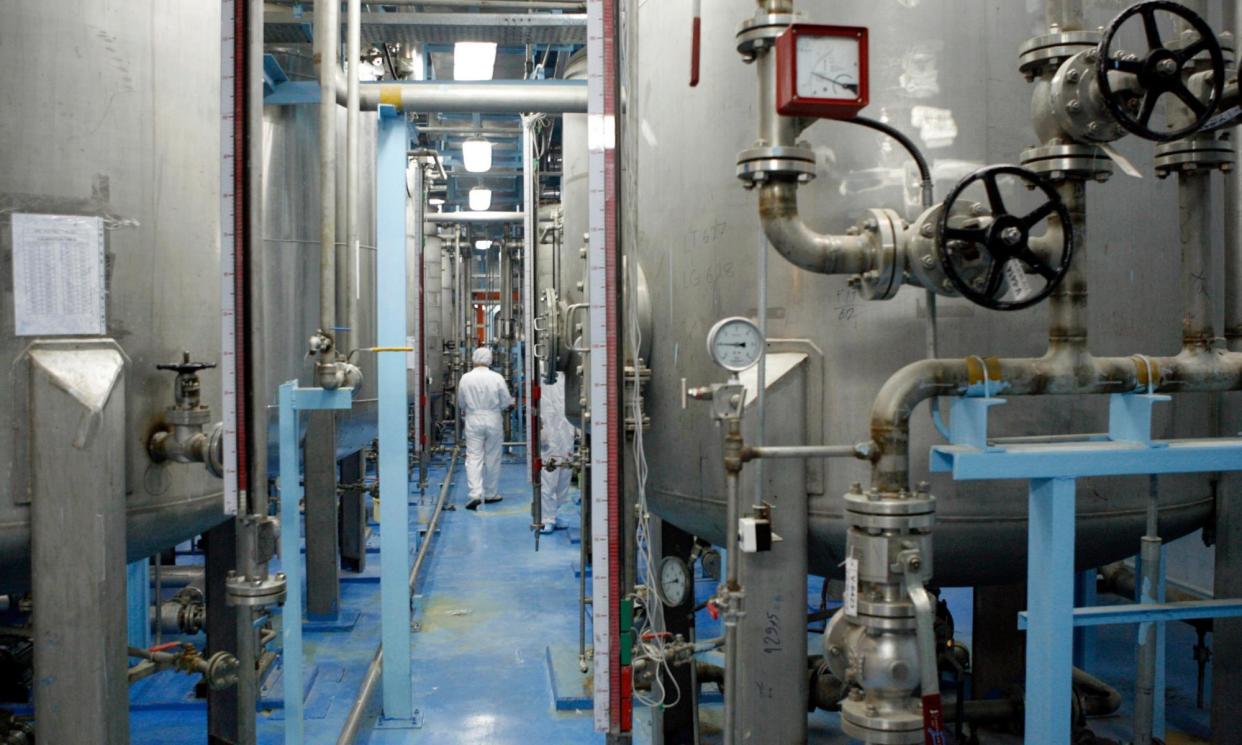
1160, 72
189, 440
1001, 283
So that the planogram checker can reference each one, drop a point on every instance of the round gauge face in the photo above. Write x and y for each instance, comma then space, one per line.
674, 581
735, 344
828, 67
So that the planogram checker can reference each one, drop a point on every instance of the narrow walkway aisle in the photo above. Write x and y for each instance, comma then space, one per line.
487, 611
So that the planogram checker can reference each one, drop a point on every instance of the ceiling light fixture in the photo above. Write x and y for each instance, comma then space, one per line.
477, 155
474, 60
480, 199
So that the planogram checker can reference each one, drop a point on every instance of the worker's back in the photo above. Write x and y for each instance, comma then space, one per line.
483, 390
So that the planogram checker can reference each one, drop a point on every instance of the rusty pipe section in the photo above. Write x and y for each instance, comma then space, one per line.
1062, 371
802, 246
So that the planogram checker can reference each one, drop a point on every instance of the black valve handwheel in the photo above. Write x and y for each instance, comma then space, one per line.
1007, 237
1160, 72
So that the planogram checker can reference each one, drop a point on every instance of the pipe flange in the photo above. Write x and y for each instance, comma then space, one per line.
222, 670
903, 523
758, 164
1060, 162
889, 504
1076, 105
884, 280
1050, 50
257, 592
892, 610
1202, 151
861, 720
757, 34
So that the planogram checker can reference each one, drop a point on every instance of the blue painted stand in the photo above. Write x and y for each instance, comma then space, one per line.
137, 600
1053, 470
394, 445
294, 400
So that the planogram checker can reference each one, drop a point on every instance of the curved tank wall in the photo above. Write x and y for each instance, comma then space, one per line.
291, 216
945, 72
122, 122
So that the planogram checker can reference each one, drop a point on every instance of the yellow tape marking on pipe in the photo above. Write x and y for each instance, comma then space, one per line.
391, 95
390, 349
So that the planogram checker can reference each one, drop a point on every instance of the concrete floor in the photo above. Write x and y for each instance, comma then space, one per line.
490, 612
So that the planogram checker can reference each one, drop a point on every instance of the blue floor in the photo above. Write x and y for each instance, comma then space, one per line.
495, 646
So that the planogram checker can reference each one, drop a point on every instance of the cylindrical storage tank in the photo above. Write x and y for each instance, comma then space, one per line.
572, 268
946, 73
291, 217
125, 126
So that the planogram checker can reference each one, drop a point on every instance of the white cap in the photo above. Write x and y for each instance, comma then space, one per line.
483, 356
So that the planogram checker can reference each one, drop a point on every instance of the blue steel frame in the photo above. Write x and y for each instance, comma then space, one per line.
394, 435
293, 401
1053, 470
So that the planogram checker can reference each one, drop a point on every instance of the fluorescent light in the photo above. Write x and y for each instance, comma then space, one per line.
482, 244
480, 199
477, 155
474, 60
435, 201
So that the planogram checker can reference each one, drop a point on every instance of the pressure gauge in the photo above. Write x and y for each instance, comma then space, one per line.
735, 343
821, 71
674, 581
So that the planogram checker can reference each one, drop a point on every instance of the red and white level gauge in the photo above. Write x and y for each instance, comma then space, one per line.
821, 71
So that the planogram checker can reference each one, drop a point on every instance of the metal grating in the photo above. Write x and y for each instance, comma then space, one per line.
283, 27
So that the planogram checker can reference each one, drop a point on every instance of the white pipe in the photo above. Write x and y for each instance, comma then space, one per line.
474, 97
468, 217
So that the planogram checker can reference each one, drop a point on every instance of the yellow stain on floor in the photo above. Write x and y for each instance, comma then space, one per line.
1179, 738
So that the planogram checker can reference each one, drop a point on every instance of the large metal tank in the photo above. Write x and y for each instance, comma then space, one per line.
291, 216
945, 72
113, 110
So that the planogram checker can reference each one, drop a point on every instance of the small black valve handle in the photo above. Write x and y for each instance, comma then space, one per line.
185, 366
1005, 239
1160, 72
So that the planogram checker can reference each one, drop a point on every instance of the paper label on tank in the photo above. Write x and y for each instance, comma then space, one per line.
851, 587
1015, 275
58, 275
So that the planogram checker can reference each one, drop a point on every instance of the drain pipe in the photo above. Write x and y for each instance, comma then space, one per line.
370, 681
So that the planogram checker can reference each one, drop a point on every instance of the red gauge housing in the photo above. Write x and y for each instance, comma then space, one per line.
790, 103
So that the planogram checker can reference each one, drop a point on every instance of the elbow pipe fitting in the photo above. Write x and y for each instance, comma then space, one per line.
803, 247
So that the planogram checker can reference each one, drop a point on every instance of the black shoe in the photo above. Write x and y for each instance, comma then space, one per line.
474, 504
493, 500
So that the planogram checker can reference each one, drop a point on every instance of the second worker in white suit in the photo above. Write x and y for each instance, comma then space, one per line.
483, 395
556, 443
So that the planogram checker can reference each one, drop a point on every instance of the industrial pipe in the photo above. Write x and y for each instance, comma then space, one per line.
353, 164
472, 217
802, 246
473, 97
353, 722
562, 5
327, 28
806, 451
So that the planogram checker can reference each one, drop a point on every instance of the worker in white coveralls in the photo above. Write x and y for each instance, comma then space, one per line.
556, 445
483, 395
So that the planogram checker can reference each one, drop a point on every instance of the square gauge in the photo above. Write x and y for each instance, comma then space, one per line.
821, 71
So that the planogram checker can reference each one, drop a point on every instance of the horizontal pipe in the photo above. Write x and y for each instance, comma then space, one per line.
805, 451
569, 5
473, 97
460, 217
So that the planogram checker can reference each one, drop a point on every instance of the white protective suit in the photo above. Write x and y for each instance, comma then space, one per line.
483, 395
556, 442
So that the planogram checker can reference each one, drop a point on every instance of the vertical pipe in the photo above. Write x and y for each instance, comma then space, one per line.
327, 28
1068, 303
1065, 15
731, 650
1233, 236
353, 167
761, 400
1194, 190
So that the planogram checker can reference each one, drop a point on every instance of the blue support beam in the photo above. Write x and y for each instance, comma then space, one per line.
137, 601
1050, 597
1132, 613
292, 401
392, 331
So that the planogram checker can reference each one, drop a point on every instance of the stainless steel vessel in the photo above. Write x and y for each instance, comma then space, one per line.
121, 122
946, 73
